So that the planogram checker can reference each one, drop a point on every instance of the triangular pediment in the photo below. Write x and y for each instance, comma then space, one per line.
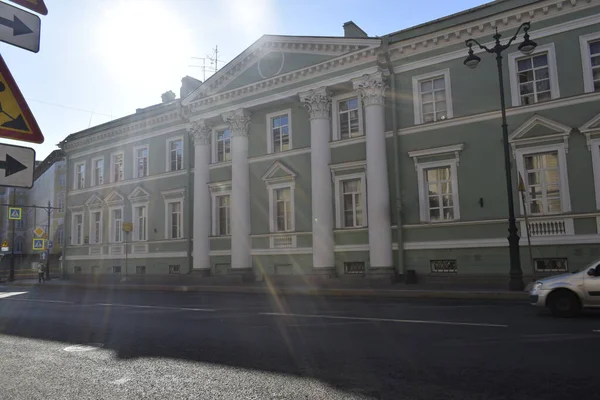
94, 201
114, 198
138, 194
278, 171
277, 56
539, 128
592, 125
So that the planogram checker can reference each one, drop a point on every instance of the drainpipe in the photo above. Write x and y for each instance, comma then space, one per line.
400, 266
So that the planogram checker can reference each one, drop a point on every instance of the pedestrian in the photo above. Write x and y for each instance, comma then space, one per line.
41, 274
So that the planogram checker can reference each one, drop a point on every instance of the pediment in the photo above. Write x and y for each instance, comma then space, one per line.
539, 128
273, 56
94, 201
278, 172
592, 125
138, 194
114, 198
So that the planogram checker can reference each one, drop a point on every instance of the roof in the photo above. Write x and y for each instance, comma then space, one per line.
43, 166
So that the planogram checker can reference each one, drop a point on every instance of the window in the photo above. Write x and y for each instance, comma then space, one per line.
60, 233
61, 202
76, 270
550, 265
443, 266
116, 269
116, 225
140, 219
351, 201
174, 220
533, 78
141, 161
62, 180
223, 211
19, 244
80, 176
96, 227
432, 97
77, 231
175, 154
279, 132
590, 59
20, 223
140, 269
348, 117
116, 166
542, 183
223, 146
354, 268
98, 171
440, 197
282, 209
174, 269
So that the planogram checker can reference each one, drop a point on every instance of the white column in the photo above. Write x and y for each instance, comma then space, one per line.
239, 122
200, 135
318, 103
372, 89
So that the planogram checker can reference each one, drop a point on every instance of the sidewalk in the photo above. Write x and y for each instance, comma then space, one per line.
396, 291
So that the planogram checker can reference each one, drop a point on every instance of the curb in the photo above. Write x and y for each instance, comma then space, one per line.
357, 293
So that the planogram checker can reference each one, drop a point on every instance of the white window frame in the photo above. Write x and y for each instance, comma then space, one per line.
270, 117
112, 166
61, 197
134, 218
92, 227
168, 218
561, 149
77, 241
339, 215
111, 224
93, 171
215, 212
62, 180
213, 143
272, 187
135, 161
168, 154
586, 62
335, 111
416, 80
553, 72
424, 196
76, 176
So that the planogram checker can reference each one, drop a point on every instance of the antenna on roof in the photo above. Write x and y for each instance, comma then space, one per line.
214, 63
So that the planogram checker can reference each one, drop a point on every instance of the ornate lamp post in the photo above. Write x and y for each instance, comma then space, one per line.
472, 60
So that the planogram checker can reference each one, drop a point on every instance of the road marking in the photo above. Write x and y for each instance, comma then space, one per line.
329, 324
78, 348
4, 295
155, 307
596, 330
404, 321
41, 301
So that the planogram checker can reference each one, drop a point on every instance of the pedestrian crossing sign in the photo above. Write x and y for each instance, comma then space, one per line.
14, 213
39, 244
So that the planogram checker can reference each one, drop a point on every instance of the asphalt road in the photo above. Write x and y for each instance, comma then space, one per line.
73, 344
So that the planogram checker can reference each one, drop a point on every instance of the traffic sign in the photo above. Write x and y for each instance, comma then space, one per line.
34, 5
19, 28
16, 166
39, 244
39, 231
43, 255
127, 227
16, 120
14, 213
5, 246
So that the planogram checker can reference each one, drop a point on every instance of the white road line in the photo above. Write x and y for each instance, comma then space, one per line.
154, 307
404, 321
4, 295
40, 301
596, 330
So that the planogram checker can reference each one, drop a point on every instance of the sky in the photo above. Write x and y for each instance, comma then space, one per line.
102, 59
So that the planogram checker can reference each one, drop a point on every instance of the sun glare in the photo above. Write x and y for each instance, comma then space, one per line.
143, 41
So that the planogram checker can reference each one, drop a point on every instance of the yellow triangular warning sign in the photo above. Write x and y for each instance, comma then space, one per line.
16, 120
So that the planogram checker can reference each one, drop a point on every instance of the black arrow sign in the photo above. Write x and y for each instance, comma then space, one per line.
18, 26
11, 166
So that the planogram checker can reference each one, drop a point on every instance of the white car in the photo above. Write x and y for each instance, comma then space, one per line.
565, 295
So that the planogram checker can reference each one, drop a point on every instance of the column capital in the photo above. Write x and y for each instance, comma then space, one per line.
200, 132
238, 121
372, 88
318, 102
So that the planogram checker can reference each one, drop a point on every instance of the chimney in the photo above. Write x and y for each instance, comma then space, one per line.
168, 97
351, 30
188, 85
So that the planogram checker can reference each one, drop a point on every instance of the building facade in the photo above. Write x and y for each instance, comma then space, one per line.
337, 156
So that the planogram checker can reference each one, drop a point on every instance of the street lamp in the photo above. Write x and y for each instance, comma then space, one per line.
472, 61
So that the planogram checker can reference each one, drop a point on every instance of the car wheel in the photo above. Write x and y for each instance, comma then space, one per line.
564, 304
